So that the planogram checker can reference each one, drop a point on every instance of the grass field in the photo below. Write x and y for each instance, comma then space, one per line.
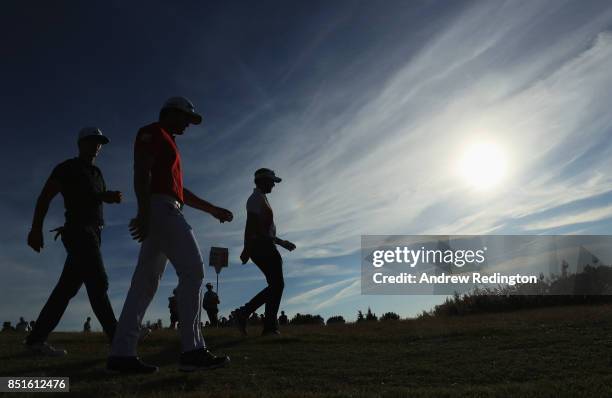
558, 352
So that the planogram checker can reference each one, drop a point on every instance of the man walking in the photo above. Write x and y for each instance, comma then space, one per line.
165, 235
211, 304
260, 242
81, 184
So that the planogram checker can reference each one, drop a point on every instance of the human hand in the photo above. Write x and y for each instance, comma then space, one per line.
139, 227
112, 196
287, 245
35, 239
222, 215
58, 231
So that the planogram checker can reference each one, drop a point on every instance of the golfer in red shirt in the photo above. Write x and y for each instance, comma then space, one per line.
165, 235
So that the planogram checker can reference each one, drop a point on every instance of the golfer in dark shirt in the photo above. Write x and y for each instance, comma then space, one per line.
83, 188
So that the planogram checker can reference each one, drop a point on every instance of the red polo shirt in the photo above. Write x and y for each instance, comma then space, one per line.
166, 174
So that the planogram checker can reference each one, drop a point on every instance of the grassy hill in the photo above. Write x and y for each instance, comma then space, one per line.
558, 352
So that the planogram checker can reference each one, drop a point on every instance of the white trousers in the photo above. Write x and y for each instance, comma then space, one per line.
170, 238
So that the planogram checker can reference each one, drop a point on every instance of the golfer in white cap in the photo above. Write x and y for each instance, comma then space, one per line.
165, 235
260, 242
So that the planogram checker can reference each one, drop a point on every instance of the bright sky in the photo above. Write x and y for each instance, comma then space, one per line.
389, 117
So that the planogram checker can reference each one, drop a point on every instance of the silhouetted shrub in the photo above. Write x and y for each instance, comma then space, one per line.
307, 319
360, 317
335, 319
390, 316
592, 286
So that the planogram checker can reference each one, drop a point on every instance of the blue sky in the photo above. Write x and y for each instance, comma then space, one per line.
366, 109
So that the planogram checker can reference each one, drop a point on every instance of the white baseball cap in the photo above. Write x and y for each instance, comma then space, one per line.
183, 104
87, 132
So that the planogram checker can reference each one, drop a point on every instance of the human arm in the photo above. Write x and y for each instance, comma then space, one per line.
107, 196
143, 163
192, 200
253, 230
285, 244
49, 191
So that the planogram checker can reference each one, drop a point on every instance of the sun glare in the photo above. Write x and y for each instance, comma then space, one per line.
483, 165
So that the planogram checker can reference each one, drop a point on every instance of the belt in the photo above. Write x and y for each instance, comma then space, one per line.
168, 199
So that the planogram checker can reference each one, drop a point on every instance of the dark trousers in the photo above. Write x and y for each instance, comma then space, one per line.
269, 261
212, 316
83, 265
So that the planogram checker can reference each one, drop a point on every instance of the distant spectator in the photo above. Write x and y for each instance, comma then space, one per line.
32, 324
87, 325
22, 325
210, 304
172, 305
159, 324
6, 327
282, 319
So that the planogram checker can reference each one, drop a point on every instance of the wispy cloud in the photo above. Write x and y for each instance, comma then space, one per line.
597, 214
383, 166
349, 291
314, 294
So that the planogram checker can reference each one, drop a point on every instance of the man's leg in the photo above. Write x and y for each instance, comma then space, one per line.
271, 264
261, 258
276, 285
145, 281
67, 287
257, 301
183, 252
181, 248
96, 283
212, 317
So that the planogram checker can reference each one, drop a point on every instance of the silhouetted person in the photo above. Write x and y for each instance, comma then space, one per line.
32, 323
165, 235
282, 319
87, 325
211, 304
6, 327
22, 325
172, 306
81, 184
260, 242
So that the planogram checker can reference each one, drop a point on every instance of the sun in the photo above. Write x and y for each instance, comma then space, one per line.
483, 165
